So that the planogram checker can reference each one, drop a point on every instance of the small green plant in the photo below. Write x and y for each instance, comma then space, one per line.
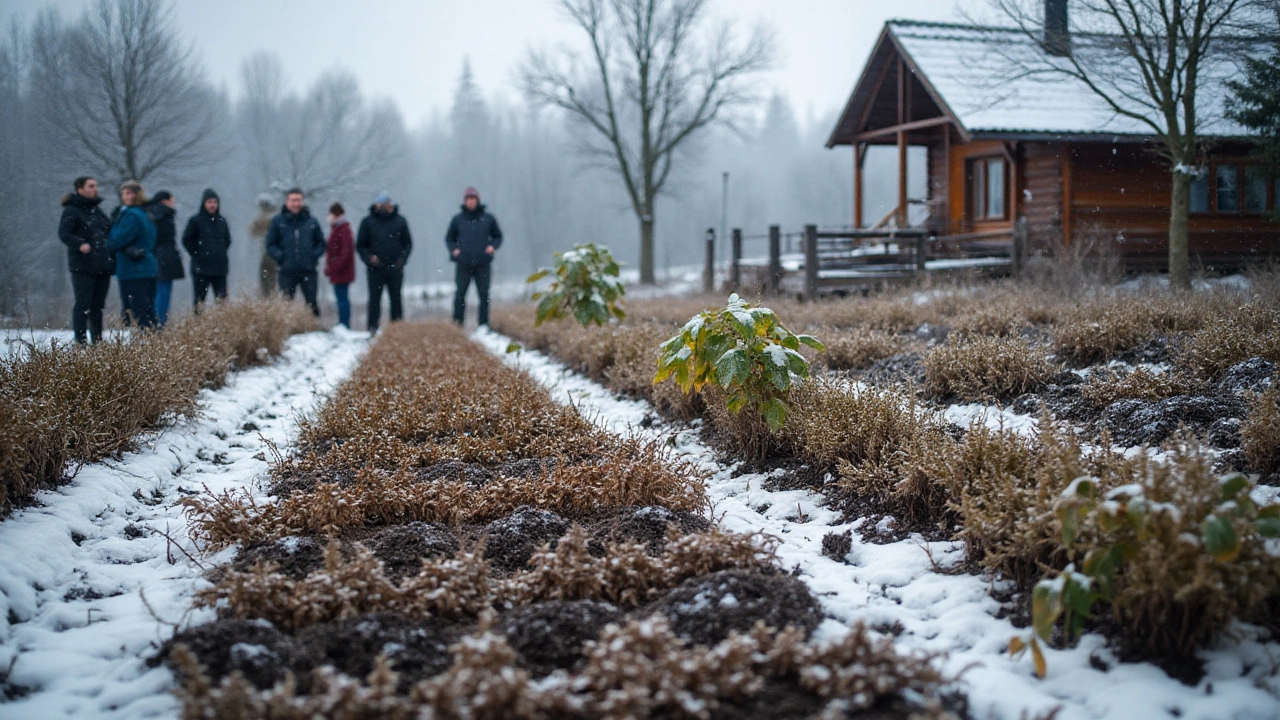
742, 349
586, 285
1118, 524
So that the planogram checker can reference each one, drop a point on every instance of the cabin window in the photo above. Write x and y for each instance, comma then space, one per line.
1199, 193
1255, 192
987, 189
1228, 177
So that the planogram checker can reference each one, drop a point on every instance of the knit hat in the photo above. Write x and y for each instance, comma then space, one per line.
384, 198
162, 196
471, 193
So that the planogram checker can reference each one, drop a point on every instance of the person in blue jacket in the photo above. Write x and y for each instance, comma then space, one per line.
296, 242
473, 239
133, 240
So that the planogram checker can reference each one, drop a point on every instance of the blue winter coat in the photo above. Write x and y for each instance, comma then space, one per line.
295, 242
133, 230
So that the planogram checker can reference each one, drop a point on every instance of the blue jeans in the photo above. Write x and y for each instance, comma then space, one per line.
164, 293
341, 294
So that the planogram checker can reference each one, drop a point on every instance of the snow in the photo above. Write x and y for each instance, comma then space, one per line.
89, 584
900, 583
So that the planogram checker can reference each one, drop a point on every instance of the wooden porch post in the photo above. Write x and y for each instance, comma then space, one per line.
857, 184
775, 258
904, 112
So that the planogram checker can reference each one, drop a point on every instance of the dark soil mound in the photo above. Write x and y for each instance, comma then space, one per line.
295, 556
1160, 349
512, 540
704, 610
454, 470
255, 648
416, 649
1063, 398
1252, 375
649, 525
837, 546
1139, 422
526, 467
896, 369
402, 548
549, 635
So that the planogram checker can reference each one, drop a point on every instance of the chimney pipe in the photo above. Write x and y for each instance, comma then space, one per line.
1057, 34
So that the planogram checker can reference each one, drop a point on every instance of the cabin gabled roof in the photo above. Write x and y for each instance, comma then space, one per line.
976, 77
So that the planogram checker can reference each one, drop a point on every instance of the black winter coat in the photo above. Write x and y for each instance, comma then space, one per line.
386, 236
471, 231
295, 242
167, 254
207, 240
84, 222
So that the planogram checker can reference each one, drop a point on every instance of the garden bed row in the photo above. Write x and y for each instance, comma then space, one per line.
1177, 555
63, 406
448, 539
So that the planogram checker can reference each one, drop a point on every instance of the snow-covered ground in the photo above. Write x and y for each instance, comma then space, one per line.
900, 584
89, 583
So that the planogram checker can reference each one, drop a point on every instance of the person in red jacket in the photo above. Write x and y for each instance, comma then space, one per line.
340, 261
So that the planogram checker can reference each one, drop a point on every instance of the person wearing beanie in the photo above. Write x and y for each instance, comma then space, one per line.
161, 211
339, 261
207, 240
472, 240
133, 239
83, 228
384, 245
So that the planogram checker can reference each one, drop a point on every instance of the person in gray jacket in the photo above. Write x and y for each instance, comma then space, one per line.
473, 239
296, 242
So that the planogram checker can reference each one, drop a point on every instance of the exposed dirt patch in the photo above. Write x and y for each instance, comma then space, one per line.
1252, 375
837, 546
295, 556
1138, 422
1159, 349
650, 525
549, 635
416, 649
906, 368
402, 548
255, 648
512, 540
704, 610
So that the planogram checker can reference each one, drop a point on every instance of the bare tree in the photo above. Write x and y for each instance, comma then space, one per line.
1148, 60
123, 95
331, 140
652, 79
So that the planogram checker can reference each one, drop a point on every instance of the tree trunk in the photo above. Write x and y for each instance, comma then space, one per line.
1179, 253
646, 251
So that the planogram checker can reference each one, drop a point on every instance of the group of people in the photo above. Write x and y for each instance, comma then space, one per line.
137, 244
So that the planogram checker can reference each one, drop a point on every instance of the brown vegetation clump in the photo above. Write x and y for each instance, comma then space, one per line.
62, 406
1246, 331
1104, 388
984, 367
858, 349
638, 670
1260, 431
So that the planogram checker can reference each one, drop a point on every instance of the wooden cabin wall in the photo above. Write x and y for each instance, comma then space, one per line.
957, 187
1040, 195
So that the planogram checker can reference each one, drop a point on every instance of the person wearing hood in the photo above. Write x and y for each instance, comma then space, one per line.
384, 245
84, 229
473, 239
340, 262
296, 242
160, 211
133, 239
207, 240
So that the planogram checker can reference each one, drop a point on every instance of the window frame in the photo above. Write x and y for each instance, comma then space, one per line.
978, 188
1242, 166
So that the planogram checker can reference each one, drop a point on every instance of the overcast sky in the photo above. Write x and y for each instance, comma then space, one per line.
412, 50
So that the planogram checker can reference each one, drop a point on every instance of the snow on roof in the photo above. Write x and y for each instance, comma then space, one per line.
979, 73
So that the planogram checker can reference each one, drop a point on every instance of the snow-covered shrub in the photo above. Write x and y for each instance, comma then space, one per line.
744, 351
1174, 552
984, 367
585, 285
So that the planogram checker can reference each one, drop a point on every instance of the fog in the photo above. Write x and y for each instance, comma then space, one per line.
431, 104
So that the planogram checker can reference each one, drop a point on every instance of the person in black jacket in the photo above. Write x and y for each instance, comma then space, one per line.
296, 242
84, 229
161, 211
384, 245
473, 238
207, 240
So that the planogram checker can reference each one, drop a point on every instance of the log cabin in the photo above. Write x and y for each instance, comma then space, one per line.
1004, 145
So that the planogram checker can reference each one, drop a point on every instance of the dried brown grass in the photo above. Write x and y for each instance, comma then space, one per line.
1241, 332
1260, 431
1104, 388
62, 406
985, 367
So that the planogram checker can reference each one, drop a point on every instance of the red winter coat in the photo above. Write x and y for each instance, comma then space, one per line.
339, 254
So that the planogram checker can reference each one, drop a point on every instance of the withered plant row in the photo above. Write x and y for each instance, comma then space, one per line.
62, 406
